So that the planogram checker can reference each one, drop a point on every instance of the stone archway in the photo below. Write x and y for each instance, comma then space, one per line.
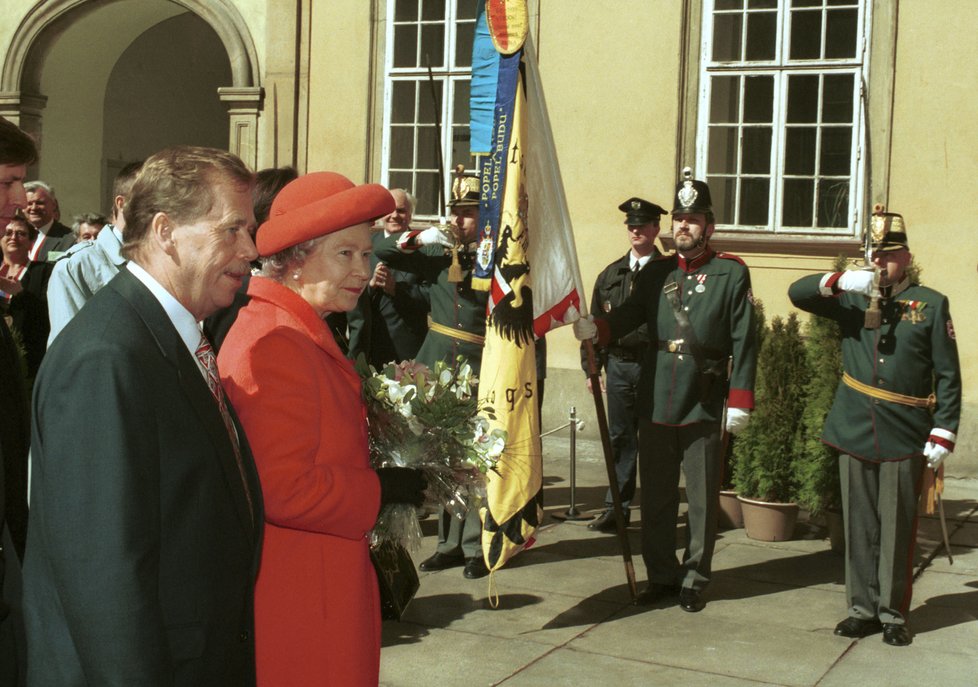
22, 102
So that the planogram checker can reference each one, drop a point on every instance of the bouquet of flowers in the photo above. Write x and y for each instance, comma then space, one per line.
429, 420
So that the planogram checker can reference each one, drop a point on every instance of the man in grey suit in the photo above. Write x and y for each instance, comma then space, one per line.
145, 505
53, 237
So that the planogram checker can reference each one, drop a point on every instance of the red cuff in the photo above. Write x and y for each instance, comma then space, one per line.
604, 332
941, 441
830, 283
741, 398
407, 240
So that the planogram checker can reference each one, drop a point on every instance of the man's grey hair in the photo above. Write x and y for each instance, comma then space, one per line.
93, 218
411, 200
277, 266
44, 186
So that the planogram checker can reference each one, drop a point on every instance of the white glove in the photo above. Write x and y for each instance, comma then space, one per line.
935, 454
585, 329
737, 420
435, 236
857, 281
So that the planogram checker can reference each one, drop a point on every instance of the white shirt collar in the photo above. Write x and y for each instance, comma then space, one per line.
45, 229
181, 318
641, 261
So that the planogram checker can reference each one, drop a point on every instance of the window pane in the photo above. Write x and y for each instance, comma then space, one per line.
722, 193
799, 198
406, 10
466, 9
726, 37
729, 4
464, 36
406, 45
806, 35
428, 148
803, 98
806, 3
837, 98
433, 45
401, 180
460, 147
426, 191
833, 203
759, 99
723, 150
724, 99
799, 150
762, 32
836, 153
426, 101
756, 151
402, 147
460, 109
754, 195
761, 4
402, 102
849, 3
433, 10
840, 33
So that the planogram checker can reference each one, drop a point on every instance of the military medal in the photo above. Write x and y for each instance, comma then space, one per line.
701, 285
699, 288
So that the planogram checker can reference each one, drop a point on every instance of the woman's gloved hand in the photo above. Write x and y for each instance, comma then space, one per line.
401, 485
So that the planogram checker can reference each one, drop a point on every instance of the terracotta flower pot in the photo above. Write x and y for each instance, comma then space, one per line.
729, 515
766, 521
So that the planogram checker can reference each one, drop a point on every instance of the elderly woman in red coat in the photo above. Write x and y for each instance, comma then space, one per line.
317, 615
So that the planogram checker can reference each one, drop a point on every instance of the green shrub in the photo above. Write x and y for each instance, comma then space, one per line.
766, 454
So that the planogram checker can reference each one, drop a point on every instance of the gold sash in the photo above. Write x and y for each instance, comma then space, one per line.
930, 402
457, 334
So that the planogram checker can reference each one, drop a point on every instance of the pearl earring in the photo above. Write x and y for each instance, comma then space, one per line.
295, 276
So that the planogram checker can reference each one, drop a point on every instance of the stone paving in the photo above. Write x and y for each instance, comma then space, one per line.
564, 615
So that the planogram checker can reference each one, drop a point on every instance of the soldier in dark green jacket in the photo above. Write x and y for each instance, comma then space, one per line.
457, 328
698, 305
896, 409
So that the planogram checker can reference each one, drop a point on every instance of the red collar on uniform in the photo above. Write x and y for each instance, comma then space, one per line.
697, 262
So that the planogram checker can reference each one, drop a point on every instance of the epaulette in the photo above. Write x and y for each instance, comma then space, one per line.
731, 256
77, 248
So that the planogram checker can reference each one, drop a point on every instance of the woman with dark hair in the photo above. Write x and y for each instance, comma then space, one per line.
23, 284
317, 612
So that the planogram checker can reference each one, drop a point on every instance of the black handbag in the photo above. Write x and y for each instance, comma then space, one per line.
397, 578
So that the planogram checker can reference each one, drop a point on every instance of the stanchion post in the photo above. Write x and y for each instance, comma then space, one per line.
572, 513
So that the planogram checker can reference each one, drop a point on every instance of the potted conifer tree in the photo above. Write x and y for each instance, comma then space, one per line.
767, 452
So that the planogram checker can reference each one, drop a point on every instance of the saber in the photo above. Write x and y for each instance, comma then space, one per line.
947, 540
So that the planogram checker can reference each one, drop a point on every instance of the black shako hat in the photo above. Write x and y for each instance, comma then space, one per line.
639, 211
887, 231
465, 191
692, 195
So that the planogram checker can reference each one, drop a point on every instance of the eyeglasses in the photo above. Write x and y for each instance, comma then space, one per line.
13, 232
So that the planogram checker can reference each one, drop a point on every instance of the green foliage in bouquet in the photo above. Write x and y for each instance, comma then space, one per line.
766, 453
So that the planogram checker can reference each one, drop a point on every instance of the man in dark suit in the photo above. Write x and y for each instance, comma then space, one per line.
145, 504
42, 211
17, 150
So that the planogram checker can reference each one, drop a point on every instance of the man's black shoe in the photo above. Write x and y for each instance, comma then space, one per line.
858, 627
441, 561
606, 521
475, 568
656, 592
690, 601
896, 635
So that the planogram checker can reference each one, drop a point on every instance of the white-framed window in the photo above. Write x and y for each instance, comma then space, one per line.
780, 125
423, 33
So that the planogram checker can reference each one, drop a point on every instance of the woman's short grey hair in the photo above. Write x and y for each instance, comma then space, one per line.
276, 266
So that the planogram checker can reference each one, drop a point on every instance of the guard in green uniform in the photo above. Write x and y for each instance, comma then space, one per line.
457, 327
699, 305
896, 409
622, 358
